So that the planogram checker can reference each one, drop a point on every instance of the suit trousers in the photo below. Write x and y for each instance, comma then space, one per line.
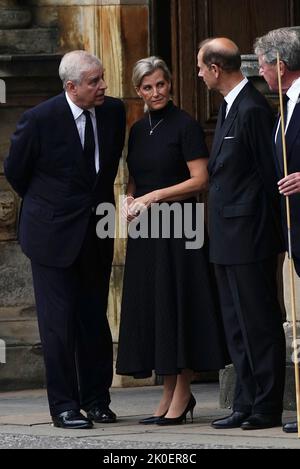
76, 339
255, 337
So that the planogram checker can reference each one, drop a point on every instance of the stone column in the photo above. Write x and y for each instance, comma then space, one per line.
116, 31
30, 76
290, 397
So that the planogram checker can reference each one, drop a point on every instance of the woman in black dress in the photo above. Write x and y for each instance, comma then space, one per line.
168, 316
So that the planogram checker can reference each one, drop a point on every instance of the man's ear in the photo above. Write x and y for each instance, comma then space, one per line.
282, 67
216, 69
71, 88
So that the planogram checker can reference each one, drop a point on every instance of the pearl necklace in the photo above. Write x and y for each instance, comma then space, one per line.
150, 123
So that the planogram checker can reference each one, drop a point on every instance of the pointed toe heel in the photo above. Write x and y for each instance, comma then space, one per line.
182, 418
152, 420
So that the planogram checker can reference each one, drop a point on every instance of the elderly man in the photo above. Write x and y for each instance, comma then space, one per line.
63, 161
286, 41
245, 238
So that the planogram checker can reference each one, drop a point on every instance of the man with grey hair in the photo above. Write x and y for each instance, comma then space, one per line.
286, 41
63, 161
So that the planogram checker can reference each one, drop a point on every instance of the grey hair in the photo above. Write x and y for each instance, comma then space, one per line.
74, 64
146, 67
286, 41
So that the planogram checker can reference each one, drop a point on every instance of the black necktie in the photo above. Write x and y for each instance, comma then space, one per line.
223, 111
278, 142
89, 146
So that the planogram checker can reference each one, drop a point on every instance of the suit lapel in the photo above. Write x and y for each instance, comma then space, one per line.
278, 161
291, 135
102, 138
217, 140
222, 131
293, 129
71, 131
70, 128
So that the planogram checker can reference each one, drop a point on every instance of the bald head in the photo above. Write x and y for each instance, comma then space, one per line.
221, 51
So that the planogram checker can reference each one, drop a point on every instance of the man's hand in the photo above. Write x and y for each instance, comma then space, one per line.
290, 185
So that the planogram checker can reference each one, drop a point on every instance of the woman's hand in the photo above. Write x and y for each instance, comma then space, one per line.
132, 208
141, 204
127, 202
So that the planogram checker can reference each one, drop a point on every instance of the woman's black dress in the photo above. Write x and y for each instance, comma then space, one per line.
168, 314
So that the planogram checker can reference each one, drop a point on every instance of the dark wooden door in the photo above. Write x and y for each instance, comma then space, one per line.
241, 20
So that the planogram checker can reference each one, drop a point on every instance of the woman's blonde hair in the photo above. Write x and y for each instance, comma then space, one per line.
147, 66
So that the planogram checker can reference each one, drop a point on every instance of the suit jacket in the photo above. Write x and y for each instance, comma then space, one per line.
293, 157
244, 219
46, 168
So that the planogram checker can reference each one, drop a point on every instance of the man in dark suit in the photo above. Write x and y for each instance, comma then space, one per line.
286, 41
63, 161
245, 238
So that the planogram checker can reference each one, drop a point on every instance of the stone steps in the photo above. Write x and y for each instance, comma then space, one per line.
24, 366
18, 326
28, 41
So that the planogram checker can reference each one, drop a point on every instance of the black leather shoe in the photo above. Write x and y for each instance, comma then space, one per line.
290, 427
234, 420
71, 419
100, 415
260, 421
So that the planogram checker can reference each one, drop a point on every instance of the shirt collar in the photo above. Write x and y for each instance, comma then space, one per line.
294, 91
76, 110
230, 98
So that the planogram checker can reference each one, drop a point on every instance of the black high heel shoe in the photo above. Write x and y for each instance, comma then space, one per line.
152, 420
182, 418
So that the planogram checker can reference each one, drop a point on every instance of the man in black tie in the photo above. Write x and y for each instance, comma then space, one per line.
286, 41
63, 161
89, 145
245, 238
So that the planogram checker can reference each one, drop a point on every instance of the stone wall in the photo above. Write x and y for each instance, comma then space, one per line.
115, 30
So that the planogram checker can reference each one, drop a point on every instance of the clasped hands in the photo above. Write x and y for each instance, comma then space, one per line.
132, 208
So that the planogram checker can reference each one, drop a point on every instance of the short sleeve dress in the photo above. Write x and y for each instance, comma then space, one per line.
169, 319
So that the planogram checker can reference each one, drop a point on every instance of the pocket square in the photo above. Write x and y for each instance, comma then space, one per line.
229, 138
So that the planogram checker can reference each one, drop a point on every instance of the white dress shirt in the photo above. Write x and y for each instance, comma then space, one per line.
293, 94
80, 119
231, 97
